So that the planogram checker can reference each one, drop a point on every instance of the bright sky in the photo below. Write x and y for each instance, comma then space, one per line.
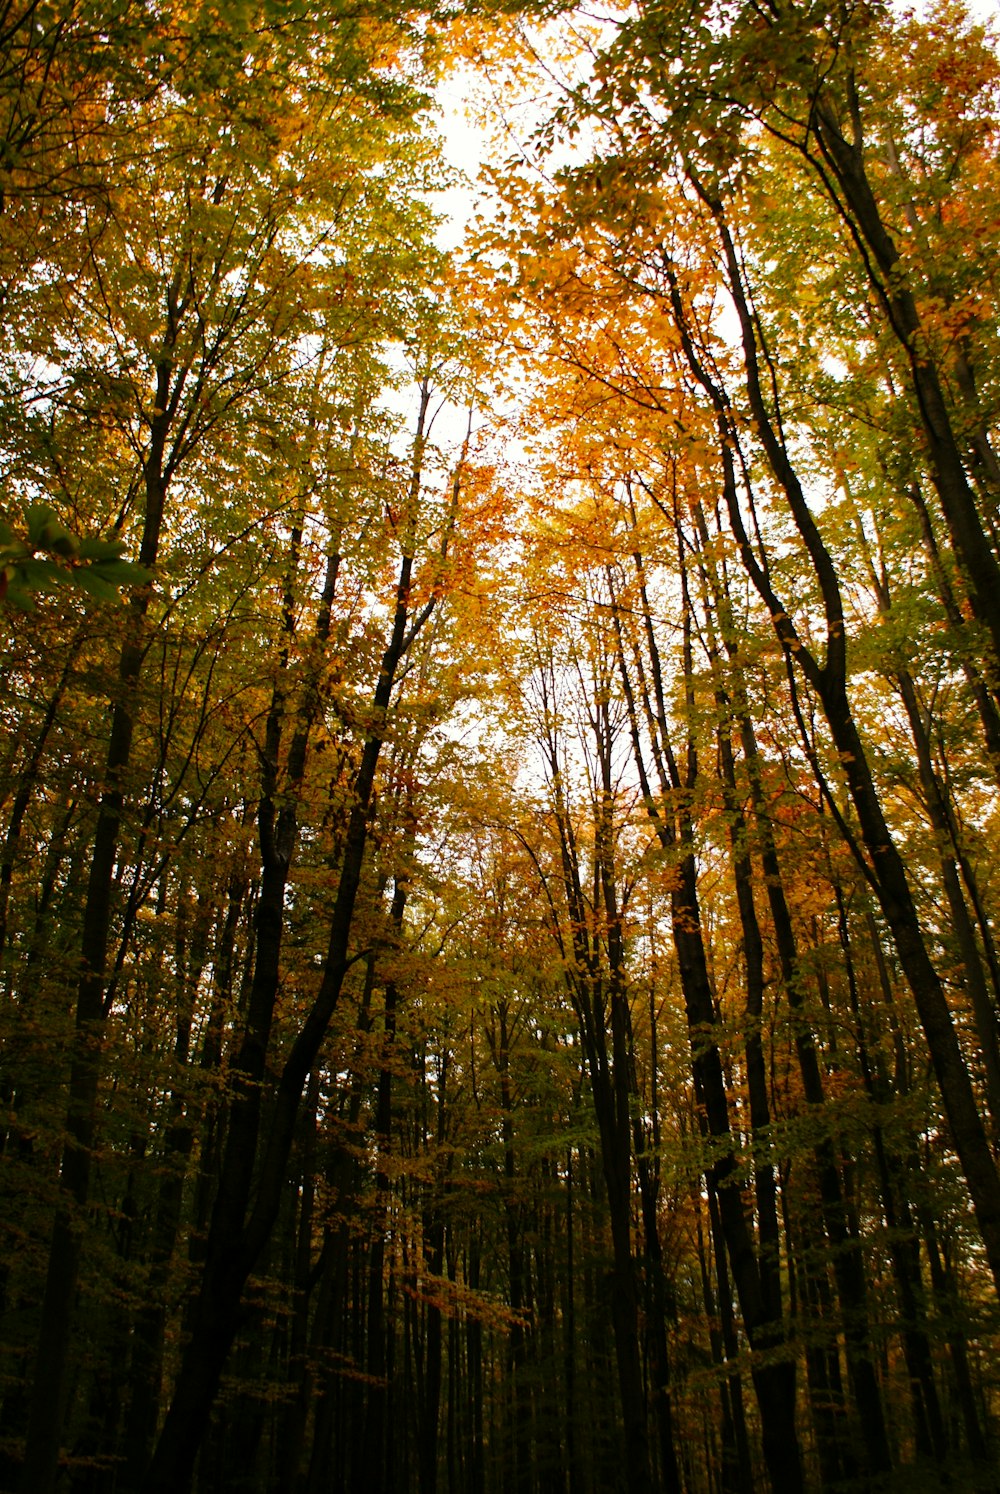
465, 148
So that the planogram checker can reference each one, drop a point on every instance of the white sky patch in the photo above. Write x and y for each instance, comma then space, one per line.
490, 113
466, 147
834, 366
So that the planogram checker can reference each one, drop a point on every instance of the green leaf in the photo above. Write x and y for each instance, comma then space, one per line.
39, 575
100, 549
37, 516
118, 572
58, 539
88, 579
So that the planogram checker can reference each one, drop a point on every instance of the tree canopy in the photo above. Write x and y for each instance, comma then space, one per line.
499, 789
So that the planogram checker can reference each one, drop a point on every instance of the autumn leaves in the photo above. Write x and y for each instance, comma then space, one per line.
502, 928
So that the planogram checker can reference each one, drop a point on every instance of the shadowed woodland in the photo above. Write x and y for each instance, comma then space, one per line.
499, 973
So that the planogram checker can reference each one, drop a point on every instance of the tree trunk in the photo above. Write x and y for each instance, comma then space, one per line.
58, 1303
884, 867
774, 1368
236, 1237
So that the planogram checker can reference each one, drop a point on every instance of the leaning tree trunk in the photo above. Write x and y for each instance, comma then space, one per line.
239, 1232
596, 985
65, 1251
242, 1220
757, 1287
845, 1245
884, 866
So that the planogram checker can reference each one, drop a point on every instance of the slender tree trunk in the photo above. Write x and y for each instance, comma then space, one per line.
884, 866
656, 1295
149, 1327
376, 1470
971, 657
65, 1252
27, 781
476, 1476
518, 1464
597, 990
946, 1293
294, 1420
737, 1470
850, 189
241, 1228
939, 813
236, 1237
774, 1368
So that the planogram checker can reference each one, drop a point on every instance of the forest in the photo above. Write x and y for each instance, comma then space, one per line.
500, 752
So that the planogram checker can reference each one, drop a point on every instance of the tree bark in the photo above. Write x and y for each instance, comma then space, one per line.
65, 1252
884, 866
